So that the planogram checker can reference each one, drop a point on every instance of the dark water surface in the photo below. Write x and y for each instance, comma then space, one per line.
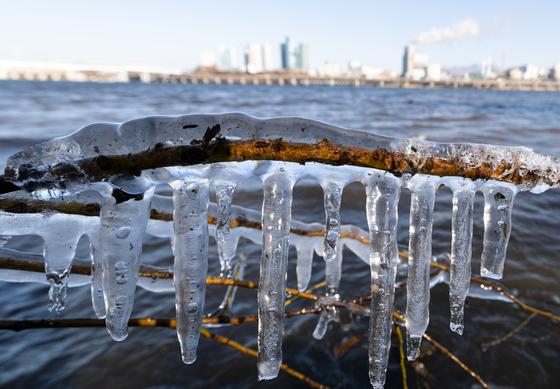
35, 111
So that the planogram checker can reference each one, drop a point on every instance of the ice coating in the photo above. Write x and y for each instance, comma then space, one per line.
461, 250
60, 234
226, 250
36, 164
383, 193
276, 216
381, 252
498, 203
190, 249
423, 190
122, 227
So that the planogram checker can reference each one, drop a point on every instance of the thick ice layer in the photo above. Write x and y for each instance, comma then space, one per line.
276, 217
461, 250
420, 254
190, 248
35, 164
383, 193
120, 237
498, 203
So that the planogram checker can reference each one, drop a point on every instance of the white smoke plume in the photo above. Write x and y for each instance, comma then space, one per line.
454, 33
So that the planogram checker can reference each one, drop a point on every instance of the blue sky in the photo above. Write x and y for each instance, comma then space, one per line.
170, 33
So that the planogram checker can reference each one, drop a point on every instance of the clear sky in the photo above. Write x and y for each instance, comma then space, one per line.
175, 34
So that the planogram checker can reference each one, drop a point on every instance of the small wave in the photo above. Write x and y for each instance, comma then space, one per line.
471, 118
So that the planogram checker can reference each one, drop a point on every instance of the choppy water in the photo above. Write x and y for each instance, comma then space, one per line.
34, 111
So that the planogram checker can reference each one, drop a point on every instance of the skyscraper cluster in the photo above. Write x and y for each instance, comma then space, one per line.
294, 57
259, 58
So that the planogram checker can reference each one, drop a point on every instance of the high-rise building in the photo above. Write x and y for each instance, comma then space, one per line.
408, 61
254, 58
286, 53
267, 57
556, 72
227, 58
294, 57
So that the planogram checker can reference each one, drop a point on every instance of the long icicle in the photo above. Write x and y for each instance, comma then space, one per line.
226, 250
276, 218
120, 236
420, 254
332, 193
330, 313
190, 248
498, 203
97, 298
461, 251
383, 195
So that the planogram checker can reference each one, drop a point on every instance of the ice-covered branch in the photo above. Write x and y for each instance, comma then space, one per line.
102, 150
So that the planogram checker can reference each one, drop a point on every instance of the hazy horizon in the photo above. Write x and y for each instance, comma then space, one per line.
175, 34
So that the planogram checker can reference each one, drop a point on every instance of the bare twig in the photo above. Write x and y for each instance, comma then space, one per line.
486, 345
401, 356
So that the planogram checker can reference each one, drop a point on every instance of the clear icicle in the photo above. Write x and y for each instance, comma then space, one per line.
332, 199
276, 217
190, 248
97, 298
461, 251
330, 313
238, 274
420, 255
59, 249
226, 250
304, 264
383, 195
120, 238
498, 203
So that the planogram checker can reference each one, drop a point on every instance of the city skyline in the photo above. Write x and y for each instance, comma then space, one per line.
450, 34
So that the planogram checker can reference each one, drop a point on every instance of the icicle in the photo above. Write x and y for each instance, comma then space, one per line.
238, 274
97, 298
304, 250
190, 248
120, 238
461, 250
59, 249
226, 250
332, 199
383, 195
498, 202
276, 217
420, 255
330, 313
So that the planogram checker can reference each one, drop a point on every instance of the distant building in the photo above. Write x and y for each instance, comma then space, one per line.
556, 72
408, 61
530, 72
259, 58
294, 57
486, 70
267, 57
515, 74
414, 64
329, 70
254, 58
227, 58
433, 72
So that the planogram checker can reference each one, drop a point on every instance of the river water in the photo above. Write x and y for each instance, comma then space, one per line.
34, 111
